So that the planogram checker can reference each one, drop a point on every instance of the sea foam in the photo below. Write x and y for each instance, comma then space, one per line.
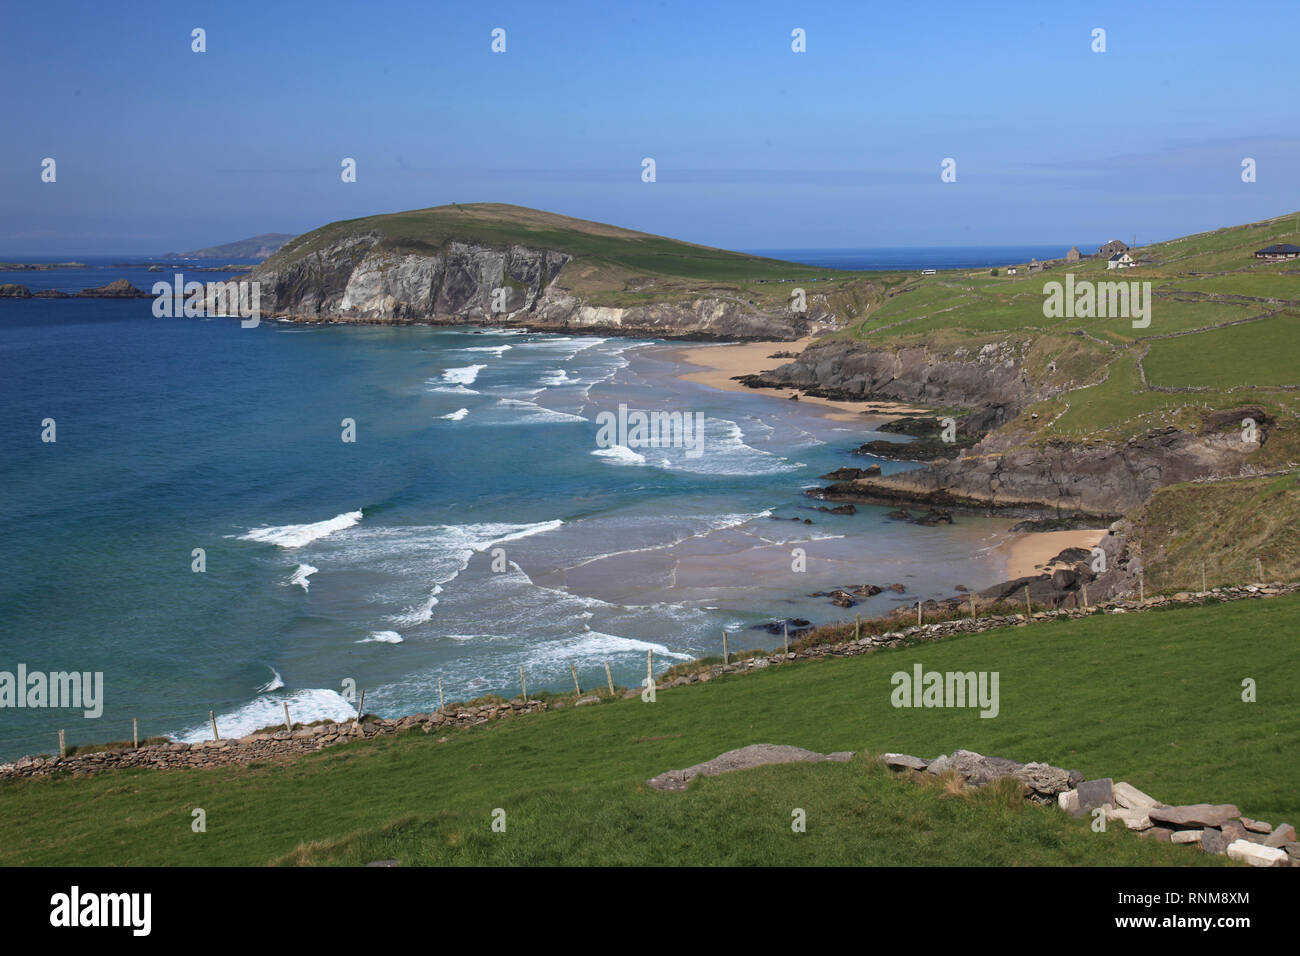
464, 375
382, 637
305, 706
296, 535
620, 455
301, 575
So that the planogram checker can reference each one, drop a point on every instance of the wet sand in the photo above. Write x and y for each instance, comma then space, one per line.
719, 364
1029, 553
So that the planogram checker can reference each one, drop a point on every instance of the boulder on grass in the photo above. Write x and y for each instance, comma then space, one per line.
1133, 819
903, 762
1284, 834
1193, 815
1131, 798
1044, 778
1159, 834
1233, 830
978, 770
1095, 793
1255, 854
1213, 841
755, 755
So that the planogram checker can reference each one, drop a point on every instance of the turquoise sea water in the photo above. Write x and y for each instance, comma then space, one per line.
474, 526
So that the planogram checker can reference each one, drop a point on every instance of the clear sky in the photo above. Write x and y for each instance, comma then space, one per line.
159, 148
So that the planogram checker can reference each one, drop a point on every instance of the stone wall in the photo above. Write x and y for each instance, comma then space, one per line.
1214, 828
287, 745
258, 748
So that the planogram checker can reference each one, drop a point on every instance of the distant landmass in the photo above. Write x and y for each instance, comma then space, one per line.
247, 250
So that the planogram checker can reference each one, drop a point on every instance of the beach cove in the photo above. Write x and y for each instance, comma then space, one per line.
472, 527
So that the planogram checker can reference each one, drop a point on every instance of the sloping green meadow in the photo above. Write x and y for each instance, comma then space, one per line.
1261, 353
1152, 698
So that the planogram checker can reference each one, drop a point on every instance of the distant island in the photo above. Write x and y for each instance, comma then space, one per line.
39, 266
248, 250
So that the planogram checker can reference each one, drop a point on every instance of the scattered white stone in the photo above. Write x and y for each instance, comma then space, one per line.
1133, 819
1068, 800
1131, 798
1255, 854
1186, 836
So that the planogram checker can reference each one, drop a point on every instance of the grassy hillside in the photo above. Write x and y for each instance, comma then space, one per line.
1224, 325
1224, 333
1221, 527
612, 266
1151, 698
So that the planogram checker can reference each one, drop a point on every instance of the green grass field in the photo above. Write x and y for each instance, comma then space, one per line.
1260, 353
1151, 698
1198, 283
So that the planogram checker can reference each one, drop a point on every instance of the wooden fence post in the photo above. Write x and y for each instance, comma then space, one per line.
135, 732
1203, 587
63, 745
576, 689
213, 717
1029, 608
440, 703
609, 679
857, 628
650, 668
288, 724
1085, 597
724, 647
523, 684
361, 709
785, 627
1259, 569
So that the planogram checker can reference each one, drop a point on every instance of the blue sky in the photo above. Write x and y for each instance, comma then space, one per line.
160, 148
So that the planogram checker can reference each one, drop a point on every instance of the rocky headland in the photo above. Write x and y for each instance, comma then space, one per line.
358, 279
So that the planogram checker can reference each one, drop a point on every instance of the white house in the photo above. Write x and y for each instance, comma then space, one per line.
1120, 260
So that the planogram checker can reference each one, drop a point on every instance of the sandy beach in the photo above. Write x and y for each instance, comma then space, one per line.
1025, 554
1030, 553
720, 364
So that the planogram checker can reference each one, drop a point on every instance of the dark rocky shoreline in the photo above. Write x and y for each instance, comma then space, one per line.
118, 289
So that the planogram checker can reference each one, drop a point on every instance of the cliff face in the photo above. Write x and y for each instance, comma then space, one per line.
1009, 470
355, 280
1006, 472
991, 380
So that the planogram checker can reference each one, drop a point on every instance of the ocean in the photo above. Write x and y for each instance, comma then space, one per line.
473, 526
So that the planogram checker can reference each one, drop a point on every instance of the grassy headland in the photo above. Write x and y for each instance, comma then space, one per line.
611, 265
